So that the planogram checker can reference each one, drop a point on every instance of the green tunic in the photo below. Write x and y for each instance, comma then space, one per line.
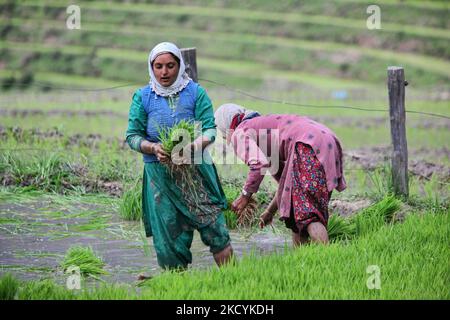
169, 214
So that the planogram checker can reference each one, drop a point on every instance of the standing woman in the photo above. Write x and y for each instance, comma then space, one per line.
171, 96
310, 166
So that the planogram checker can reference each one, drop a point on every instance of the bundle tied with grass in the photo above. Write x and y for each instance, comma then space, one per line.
85, 259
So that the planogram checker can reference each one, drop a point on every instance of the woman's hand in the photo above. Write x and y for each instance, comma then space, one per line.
240, 203
158, 150
267, 216
265, 219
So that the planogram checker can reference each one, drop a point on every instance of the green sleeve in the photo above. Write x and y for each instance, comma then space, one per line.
204, 113
137, 122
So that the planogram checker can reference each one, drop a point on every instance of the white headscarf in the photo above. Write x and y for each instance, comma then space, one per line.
182, 79
225, 113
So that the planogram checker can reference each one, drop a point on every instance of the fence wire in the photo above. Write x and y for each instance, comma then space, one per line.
242, 92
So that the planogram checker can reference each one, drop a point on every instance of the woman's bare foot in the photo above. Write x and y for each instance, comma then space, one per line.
142, 277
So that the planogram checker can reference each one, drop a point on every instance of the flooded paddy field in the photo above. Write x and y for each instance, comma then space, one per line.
36, 232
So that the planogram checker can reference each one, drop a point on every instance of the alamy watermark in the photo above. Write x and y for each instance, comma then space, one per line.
374, 20
374, 280
73, 21
73, 282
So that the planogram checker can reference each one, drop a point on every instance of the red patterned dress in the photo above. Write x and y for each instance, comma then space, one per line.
310, 195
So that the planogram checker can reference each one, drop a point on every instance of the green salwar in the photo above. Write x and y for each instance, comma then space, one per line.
171, 217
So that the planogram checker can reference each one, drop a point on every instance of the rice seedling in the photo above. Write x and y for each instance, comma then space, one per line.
432, 197
182, 133
85, 259
96, 223
131, 203
340, 228
8, 287
50, 172
382, 183
231, 193
230, 219
174, 140
246, 218
374, 217
45, 290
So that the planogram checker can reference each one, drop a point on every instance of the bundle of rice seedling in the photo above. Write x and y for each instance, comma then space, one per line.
340, 228
246, 217
374, 217
85, 259
182, 133
179, 136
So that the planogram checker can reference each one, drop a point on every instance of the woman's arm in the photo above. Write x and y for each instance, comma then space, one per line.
137, 123
204, 114
273, 205
267, 216
136, 131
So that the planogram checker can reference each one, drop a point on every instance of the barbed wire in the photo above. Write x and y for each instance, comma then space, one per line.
242, 92
48, 86
318, 106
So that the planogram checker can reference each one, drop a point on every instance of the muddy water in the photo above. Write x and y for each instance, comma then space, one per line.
34, 236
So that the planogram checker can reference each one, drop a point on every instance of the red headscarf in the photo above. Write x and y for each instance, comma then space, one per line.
237, 119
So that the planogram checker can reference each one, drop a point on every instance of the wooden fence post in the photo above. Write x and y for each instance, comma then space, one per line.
396, 87
190, 60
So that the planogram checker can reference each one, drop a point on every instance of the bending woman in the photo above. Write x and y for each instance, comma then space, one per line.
169, 97
310, 166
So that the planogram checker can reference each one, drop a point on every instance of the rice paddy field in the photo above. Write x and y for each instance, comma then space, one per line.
70, 187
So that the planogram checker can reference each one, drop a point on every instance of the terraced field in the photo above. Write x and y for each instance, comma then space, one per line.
65, 95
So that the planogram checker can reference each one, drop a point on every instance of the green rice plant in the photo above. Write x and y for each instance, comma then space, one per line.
171, 137
230, 219
8, 287
106, 291
131, 203
96, 223
374, 217
85, 259
381, 179
178, 136
246, 218
433, 197
340, 228
51, 172
231, 193
45, 289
